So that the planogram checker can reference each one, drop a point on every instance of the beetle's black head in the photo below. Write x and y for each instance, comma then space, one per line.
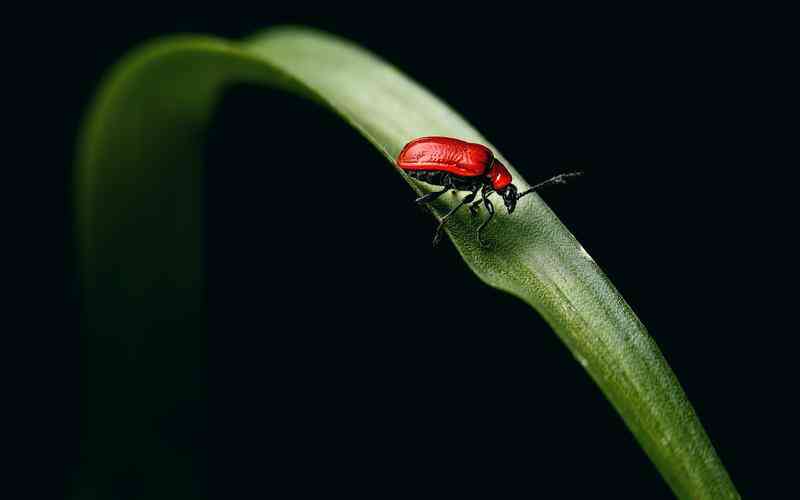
509, 194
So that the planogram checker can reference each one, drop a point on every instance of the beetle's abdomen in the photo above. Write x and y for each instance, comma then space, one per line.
446, 154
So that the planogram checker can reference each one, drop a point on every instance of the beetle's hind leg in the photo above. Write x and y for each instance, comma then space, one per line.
448, 185
431, 196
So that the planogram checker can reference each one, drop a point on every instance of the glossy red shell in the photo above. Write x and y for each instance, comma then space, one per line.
499, 175
446, 154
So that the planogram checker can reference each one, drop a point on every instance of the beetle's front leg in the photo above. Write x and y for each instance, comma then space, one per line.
490, 209
467, 199
473, 209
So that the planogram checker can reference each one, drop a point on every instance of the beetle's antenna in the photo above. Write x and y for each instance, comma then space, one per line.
559, 179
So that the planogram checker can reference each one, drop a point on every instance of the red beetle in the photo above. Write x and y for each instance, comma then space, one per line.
463, 166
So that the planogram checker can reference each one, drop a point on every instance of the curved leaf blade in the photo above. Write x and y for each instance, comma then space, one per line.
140, 156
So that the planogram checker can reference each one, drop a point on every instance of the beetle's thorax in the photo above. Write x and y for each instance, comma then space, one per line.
498, 175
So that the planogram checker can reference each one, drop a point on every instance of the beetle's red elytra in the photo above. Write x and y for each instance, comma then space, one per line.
463, 166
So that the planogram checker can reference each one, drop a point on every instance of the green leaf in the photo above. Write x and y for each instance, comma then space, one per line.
140, 217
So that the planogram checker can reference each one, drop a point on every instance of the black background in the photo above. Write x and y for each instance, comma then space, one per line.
345, 354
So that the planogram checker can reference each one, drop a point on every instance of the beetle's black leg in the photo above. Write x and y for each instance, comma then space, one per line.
473, 209
490, 209
467, 199
431, 196
448, 185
